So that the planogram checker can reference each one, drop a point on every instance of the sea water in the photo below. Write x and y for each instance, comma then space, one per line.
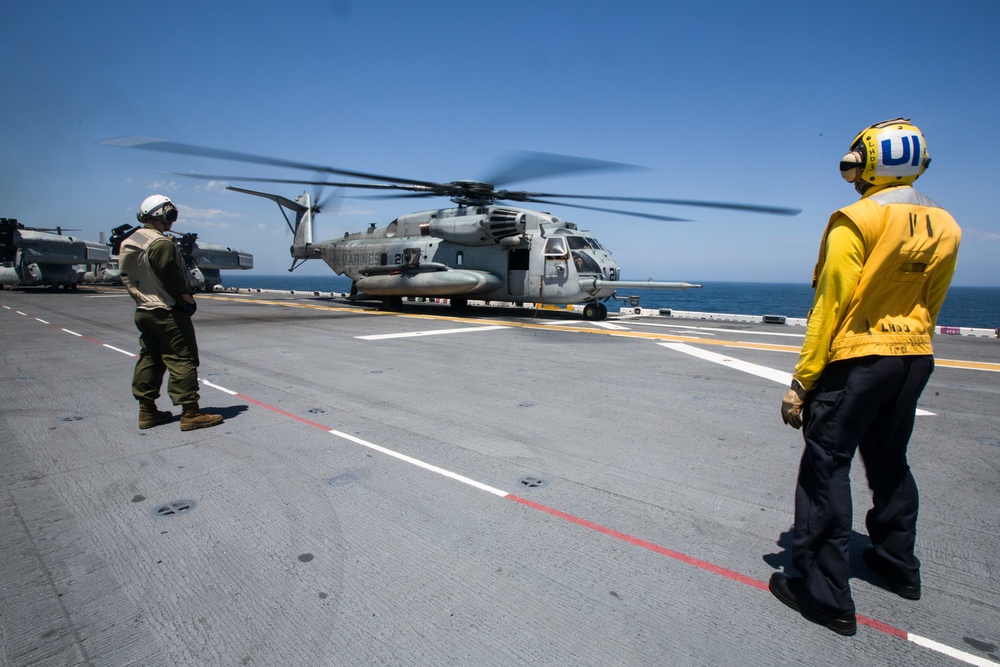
977, 307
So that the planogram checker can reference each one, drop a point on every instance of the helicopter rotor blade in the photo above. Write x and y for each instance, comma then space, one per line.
635, 214
529, 165
752, 208
422, 195
162, 146
297, 181
334, 199
317, 196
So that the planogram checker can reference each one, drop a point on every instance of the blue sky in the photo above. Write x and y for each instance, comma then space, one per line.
732, 101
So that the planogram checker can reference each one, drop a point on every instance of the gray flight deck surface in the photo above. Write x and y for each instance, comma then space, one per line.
517, 489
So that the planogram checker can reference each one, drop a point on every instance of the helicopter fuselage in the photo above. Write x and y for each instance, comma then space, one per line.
490, 252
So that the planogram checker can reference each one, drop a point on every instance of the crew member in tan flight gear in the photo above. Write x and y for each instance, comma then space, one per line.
153, 272
885, 264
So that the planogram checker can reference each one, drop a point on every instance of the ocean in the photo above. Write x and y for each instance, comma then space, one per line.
977, 307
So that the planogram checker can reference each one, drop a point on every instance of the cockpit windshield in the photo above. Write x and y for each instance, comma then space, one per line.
585, 263
583, 243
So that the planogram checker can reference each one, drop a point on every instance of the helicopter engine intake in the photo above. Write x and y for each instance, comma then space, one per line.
476, 230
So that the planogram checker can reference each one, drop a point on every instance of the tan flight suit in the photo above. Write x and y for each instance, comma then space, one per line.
154, 275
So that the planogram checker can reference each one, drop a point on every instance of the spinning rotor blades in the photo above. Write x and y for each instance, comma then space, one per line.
161, 146
522, 166
752, 208
635, 214
529, 165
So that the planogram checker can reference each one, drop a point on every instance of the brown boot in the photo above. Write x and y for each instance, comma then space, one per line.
149, 416
193, 418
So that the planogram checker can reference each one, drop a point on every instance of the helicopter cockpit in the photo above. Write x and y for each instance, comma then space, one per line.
580, 248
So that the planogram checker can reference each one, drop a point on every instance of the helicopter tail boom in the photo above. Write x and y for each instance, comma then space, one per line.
302, 228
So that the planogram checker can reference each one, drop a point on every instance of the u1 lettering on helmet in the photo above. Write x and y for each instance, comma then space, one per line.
893, 151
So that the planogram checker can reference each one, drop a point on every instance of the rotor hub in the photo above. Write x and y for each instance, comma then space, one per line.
471, 193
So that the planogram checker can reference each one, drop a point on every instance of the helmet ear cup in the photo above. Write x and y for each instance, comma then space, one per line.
155, 205
851, 166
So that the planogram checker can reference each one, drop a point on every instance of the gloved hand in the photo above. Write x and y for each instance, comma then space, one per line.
791, 404
188, 304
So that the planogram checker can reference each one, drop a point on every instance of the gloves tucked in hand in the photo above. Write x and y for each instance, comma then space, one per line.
791, 404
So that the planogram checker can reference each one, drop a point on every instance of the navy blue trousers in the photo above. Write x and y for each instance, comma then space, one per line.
865, 404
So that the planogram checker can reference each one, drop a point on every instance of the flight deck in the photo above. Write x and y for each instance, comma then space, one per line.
490, 487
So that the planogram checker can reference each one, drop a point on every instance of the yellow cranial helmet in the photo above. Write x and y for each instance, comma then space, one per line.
893, 151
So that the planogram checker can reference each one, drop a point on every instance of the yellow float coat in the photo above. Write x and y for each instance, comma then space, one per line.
885, 264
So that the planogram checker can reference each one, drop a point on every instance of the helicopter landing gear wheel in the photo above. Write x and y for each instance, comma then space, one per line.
392, 303
459, 304
595, 312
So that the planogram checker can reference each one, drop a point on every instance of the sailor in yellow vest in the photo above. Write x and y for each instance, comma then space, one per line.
154, 274
885, 264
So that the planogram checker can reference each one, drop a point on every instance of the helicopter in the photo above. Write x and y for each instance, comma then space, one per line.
479, 248
32, 256
203, 261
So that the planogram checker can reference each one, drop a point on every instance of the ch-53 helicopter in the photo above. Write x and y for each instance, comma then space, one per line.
477, 249
203, 261
30, 256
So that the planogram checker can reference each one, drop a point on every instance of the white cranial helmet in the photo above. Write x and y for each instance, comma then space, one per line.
157, 206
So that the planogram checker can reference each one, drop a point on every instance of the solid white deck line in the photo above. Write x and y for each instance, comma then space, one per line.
949, 651
609, 325
430, 332
118, 349
781, 377
750, 332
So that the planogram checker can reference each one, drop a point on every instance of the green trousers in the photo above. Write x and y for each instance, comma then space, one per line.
166, 343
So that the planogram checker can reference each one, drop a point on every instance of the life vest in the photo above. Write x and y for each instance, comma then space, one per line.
910, 245
141, 281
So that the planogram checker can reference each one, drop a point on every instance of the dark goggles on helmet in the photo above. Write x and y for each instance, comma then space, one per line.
166, 211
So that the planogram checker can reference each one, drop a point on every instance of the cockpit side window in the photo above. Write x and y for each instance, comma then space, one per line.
555, 248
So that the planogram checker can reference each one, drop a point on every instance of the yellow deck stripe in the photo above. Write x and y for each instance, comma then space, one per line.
947, 363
